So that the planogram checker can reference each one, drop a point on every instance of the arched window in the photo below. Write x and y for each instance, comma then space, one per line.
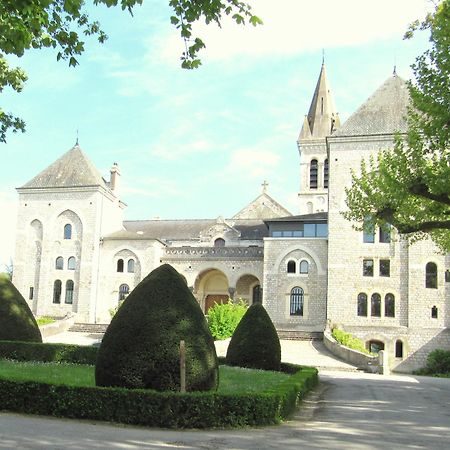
124, 290
399, 349
434, 312
130, 265
57, 286
313, 174
389, 305
325, 173
69, 292
375, 305
67, 231
71, 263
120, 265
257, 294
431, 275
219, 242
304, 266
362, 304
296, 302
291, 267
59, 263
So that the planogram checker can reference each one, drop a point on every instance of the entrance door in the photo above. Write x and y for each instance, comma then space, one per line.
212, 299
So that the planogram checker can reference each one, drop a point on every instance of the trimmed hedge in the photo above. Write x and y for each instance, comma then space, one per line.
30, 351
255, 343
141, 346
160, 409
16, 319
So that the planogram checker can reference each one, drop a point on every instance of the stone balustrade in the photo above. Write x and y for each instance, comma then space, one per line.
189, 253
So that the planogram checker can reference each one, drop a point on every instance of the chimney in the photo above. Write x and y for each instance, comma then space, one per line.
114, 182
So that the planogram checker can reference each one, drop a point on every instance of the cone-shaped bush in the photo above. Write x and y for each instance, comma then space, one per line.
255, 342
140, 348
17, 322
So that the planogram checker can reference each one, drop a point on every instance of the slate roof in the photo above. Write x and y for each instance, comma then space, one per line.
184, 229
71, 170
382, 113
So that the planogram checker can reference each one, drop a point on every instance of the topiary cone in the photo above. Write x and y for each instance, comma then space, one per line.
255, 343
140, 348
17, 322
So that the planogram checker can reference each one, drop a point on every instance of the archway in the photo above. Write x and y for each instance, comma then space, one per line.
211, 287
245, 289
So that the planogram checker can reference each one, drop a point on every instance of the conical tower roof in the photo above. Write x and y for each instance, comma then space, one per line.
70, 170
322, 112
382, 113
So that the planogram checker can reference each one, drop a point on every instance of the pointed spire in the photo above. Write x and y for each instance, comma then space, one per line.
322, 112
305, 133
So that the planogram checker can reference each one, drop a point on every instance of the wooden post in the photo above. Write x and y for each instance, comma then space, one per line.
182, 366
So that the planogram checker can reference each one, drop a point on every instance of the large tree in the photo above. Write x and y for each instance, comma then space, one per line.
61, 24
408, 186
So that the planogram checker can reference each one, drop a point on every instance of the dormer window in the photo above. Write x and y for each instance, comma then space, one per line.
219, 242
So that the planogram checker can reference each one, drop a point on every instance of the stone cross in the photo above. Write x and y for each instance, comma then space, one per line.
264, 186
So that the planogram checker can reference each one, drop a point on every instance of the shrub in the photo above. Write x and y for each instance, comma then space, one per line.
160, 409
350, 341
44, 320
17, 322
438, 362
224, 318
255, 342
140, 348
64, 353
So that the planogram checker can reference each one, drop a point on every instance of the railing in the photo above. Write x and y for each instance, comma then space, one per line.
181, 253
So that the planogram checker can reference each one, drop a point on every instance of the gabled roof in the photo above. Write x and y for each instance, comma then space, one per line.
72, 169
263, 207
322, 118
185, 229
382, 113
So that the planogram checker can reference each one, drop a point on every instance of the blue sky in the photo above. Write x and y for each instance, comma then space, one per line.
198, 144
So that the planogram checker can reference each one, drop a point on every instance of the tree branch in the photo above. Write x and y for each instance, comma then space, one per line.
421, 189
422, 226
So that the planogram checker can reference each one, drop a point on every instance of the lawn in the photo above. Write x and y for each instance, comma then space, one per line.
232, 379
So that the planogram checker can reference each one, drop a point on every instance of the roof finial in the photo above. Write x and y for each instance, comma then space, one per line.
264, 186
394, 72
76, 143
323, 56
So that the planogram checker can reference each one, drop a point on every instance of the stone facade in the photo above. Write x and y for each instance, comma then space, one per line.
74, 252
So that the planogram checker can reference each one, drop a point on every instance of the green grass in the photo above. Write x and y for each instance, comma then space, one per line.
232, 379
44, 320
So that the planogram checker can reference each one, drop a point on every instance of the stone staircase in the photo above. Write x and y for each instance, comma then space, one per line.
300, 335
89, 328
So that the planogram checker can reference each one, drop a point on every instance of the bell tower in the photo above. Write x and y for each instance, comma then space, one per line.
322, 120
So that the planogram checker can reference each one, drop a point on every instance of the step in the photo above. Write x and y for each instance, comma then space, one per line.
300, 335
89, 327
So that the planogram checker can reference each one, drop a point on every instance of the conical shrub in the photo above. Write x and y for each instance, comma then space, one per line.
17, 322
255, 342
140, 348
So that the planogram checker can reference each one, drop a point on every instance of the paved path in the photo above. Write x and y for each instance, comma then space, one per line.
307, 353
348, 411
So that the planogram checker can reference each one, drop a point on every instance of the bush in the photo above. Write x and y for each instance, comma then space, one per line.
59, 353
255, 342
140, 348
160, 409
438, 362
348, 340
224, 318
17, 322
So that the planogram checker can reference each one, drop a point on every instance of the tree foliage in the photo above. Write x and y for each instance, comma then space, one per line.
409, 186
61, 25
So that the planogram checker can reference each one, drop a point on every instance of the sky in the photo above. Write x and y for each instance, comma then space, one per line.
199, 143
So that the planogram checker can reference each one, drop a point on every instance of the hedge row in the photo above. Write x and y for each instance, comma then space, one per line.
30, 351
159, 409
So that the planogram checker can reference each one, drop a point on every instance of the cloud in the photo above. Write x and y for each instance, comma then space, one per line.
254, 162
296, 26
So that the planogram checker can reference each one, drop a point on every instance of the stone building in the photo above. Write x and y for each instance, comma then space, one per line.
75, 253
